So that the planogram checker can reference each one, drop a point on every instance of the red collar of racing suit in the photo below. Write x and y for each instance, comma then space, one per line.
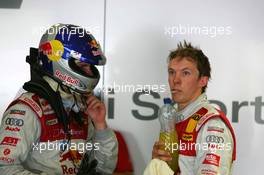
190, 120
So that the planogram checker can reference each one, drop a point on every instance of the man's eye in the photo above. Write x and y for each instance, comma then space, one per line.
171, 72
186, 73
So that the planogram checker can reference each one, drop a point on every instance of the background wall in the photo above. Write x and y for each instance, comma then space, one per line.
137, 37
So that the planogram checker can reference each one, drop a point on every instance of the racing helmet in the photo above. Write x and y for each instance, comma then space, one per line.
62, 48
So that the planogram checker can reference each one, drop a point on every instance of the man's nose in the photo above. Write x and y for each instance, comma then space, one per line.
176, 79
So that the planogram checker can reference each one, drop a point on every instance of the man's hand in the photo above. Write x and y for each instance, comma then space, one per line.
158, 153
88, 167
96, 110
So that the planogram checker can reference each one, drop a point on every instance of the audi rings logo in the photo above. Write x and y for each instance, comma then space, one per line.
214, 139
14, 122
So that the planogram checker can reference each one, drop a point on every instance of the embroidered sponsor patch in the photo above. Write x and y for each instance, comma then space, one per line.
196, 116
52, 122
32, 104
48, 111
7, 151
68, 170
7, 160
215, 129
14, 122
191, 126
12, 129
208, 172
204, 118
71, 155
10, 141
214, 139
212, 159
194, 119
216, 146
187, 137
18, 112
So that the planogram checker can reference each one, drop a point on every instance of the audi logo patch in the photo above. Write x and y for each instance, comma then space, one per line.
14, 122
214, 139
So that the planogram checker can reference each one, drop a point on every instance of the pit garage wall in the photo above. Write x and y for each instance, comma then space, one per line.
137, 37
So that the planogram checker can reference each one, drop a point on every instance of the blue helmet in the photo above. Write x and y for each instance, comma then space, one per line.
62, 48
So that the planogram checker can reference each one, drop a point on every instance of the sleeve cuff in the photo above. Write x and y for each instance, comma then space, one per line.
103, 134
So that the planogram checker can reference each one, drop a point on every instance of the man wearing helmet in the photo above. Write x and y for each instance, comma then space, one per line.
58, 126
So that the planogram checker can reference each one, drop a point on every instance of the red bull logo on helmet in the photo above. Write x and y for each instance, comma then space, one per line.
96, 48
66, 78
93, 44
53, 49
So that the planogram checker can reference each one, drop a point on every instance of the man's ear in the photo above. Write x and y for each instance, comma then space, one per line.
203, 81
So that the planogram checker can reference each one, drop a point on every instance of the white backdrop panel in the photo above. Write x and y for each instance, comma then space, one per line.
139, 35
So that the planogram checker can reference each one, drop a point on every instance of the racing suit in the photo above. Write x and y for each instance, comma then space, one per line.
32, 141
207, 140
